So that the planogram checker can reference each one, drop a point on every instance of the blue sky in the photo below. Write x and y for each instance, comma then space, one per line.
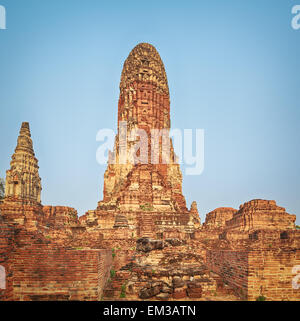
233, 70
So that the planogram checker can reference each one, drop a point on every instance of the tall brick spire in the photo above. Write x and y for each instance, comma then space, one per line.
22, 179
144, 103
144, 92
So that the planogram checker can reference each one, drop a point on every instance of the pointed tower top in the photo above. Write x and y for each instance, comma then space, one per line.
194, 207
25, 127
22, 179
24, 139
145, 65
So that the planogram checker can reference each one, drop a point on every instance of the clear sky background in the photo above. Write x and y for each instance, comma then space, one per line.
233, 69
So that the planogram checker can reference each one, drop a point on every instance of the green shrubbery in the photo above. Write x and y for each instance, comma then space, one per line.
112, 273
123, 291
146, 207
261, 298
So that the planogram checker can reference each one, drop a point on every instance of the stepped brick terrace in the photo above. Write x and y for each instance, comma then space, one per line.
141, 242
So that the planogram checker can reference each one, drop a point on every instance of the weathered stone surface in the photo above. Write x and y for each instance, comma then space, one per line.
120, 221
146, 245
218, 217
261, 214
151, 291
177, 282
194, 289
163, 296
175, 242
59, 216
166, 289
179, 293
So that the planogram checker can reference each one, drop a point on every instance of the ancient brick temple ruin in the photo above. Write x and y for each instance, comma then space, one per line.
141, 242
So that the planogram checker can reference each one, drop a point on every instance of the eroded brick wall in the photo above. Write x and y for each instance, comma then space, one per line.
105, 263
6, 245
47, 273
264, 273
232, 267
271, 275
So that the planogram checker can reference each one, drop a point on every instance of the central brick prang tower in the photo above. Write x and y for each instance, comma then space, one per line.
144, 103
